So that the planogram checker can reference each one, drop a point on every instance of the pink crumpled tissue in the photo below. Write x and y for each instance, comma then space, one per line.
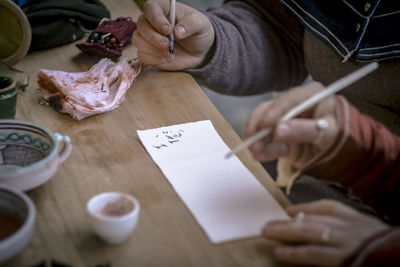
83, 94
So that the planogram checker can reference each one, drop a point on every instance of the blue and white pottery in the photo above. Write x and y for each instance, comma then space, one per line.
29, 153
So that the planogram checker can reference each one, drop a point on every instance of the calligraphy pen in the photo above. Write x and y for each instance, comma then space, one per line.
330, 90
172, 21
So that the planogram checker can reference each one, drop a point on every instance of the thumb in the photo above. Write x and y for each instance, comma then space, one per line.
192, 24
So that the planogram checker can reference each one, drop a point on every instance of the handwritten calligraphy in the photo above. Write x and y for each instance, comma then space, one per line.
168, 137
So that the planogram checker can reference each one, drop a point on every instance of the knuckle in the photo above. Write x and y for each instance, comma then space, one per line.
157, 42
259, 108
141, 29
141, 56
140, 21
272, 116
330, 205
134, 41
153, 40
196, 18
316, 85
289, 254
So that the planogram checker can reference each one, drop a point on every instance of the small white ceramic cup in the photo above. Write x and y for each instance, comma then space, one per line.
113, 216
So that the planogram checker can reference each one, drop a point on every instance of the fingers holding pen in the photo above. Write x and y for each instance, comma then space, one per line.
149, 53
268, 113
320, 131
147, 36
188, 20
288, 138
267, 148
155, 13
151, 35
193, 34
267, 151
316, 128
253, 124
192, 23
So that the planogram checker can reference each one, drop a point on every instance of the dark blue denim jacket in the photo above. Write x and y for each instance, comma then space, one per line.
369, 30
21, 3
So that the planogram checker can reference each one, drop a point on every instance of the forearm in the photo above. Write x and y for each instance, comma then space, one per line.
365, 159
252, 53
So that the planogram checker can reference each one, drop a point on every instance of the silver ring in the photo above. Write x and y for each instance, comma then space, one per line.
299, 216
326, 235
321, 125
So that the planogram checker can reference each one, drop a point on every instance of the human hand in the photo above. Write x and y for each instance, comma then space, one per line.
291, 138
322, 233
193, 32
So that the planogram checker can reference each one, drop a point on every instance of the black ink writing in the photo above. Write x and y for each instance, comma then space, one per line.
168, 137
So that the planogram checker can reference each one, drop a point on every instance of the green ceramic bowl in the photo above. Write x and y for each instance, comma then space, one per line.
8, 98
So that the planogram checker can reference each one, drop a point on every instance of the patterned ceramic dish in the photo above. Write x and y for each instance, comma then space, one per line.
17, 218
29, 153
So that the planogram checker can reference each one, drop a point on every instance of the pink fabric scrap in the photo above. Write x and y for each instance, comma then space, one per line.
83, 94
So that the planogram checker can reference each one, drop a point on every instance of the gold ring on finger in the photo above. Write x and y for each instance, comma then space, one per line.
326, 235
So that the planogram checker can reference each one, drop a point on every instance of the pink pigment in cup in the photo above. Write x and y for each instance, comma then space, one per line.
113, 216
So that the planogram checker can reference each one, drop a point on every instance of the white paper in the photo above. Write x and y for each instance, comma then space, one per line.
225, 198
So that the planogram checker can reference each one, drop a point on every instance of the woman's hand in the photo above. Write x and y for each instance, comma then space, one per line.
193, 32
322, 233
313, 130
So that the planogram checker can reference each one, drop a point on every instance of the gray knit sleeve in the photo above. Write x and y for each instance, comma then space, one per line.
254, 52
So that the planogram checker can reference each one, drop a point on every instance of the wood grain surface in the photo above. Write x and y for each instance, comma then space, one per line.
107, 155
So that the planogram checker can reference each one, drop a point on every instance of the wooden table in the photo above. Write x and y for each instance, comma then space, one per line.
107, 155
